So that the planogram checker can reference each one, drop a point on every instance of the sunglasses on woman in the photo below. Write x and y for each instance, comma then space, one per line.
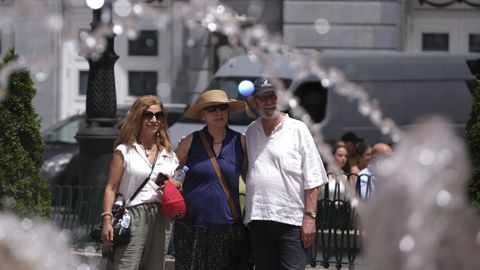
149, 115
213, 108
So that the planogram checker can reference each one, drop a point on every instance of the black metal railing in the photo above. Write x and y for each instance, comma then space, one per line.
338, 240
77, 209
339, 237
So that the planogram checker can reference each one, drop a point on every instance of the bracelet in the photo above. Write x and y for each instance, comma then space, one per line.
107, 214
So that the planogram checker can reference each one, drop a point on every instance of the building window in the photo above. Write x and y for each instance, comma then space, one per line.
82, 82
145, 45
435, 42
474, 43
142, 83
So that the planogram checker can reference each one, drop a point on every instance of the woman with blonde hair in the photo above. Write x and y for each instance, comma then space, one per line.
142, 149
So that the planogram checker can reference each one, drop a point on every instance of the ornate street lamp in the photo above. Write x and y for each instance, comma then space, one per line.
446, 3
96, 140
474, 67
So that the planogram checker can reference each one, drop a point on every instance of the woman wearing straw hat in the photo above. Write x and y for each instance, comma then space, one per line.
200, 243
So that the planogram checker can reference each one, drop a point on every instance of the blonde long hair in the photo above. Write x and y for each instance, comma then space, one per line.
133, 123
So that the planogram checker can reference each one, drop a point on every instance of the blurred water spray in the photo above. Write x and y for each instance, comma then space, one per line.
33, 245
420, 217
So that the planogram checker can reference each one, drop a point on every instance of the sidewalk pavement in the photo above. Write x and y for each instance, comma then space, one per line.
96, 262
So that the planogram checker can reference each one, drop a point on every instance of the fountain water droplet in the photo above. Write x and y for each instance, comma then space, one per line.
41, 76
55, 23
83, 266
322, 26
443, 198
326, 83
122, 8
138, 9
190, 43
26, 224
132, 34
95, 4
164, 90
212, 27
220, 9
364, 108
426, 157
407, 243
117, 29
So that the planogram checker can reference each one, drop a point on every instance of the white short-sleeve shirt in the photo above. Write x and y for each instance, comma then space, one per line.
280, 168
136, 168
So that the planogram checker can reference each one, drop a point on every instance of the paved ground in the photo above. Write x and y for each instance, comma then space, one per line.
96, 262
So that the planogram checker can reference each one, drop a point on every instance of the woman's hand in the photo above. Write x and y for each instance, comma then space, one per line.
176, 183
107, 231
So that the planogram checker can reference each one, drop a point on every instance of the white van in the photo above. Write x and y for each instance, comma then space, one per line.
406, 86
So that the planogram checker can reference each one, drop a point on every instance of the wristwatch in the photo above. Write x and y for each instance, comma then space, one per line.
311, 214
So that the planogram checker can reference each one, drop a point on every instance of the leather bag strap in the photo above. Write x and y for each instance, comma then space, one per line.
220, 175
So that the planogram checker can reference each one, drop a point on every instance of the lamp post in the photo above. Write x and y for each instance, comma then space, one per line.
474, 67
96, 140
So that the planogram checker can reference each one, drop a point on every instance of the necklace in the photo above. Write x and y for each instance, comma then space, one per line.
147, 149
218, 141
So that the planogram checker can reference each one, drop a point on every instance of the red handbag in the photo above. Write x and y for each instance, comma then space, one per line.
173, 204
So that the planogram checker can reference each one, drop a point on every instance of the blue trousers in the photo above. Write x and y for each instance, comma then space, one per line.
277, 246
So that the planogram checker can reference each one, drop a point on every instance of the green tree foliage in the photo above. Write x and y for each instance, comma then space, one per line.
473, 141
22, 188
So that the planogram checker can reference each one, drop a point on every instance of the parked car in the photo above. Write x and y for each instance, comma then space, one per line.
61, 156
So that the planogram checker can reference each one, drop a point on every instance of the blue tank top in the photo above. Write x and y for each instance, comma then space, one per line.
202, 189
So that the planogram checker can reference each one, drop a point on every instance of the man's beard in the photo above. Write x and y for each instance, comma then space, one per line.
272, 115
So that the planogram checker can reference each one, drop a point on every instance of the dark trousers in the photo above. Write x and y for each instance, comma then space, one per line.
277, 246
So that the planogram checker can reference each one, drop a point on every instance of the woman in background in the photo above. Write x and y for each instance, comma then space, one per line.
337, 181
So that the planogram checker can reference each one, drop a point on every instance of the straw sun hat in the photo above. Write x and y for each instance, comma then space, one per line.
213, 97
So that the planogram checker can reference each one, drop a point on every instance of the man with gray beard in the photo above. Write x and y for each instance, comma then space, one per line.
284, 173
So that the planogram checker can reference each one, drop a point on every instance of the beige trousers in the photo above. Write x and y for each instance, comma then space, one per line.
147, 244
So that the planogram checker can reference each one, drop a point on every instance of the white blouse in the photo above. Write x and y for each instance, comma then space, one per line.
136, 168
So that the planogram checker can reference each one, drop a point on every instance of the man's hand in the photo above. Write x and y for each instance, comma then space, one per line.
308, 231
181, 139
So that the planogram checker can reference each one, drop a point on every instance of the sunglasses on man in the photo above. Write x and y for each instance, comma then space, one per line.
214, 108
149, 115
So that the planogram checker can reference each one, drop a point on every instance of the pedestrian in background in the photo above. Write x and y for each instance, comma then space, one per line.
284, 174
363, 152
337, 181
204, 243
142, 147
350, 139
367, 175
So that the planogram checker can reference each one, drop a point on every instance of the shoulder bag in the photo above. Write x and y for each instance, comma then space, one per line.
121, 218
